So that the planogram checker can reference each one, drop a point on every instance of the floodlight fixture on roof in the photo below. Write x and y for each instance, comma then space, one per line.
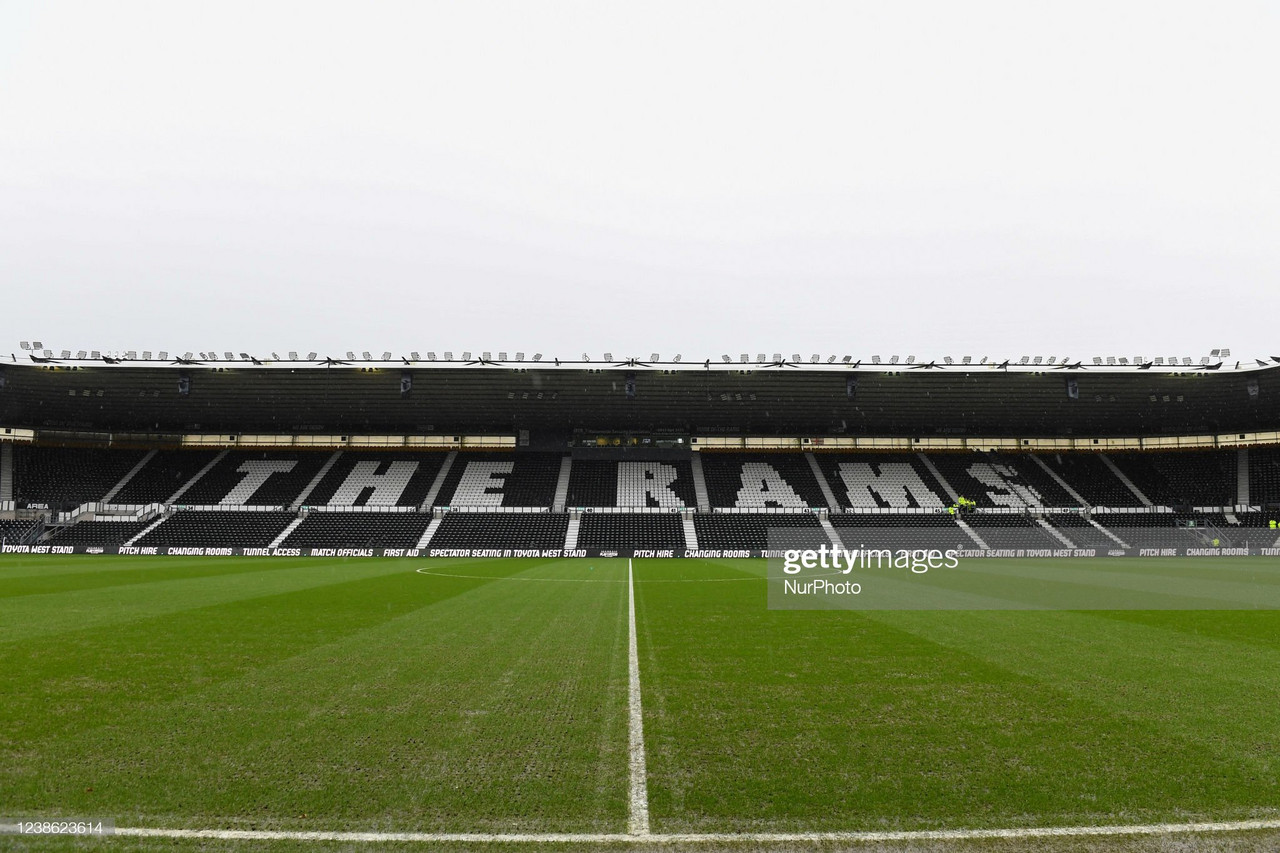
37, 345
311, 356
230, 356
744, 358
537, 356
815, 358
386, 356
725, 358
1186, 361
586, 357
164, 356
911, 359
351, 356
968, 359
486, 356
1024, 359
609, 356
831, 359
677, 358
653, 356
187, 356
293, 356
131, 354
893, 359
875, 359
1097, 359
25, 345
366, 355
946, 359
777, 356
244, 356
466, 356
519, 356
795, 358
759, 358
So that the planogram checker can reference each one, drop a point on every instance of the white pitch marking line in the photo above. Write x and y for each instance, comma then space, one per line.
706, 837
638, 822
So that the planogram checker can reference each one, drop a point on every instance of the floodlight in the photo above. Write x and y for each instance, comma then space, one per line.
893, 359
537, 356
164, 356
466, 356
502, 356
47, 354
1160, 359
744, 358
947, 359
677, 358
795, 357
187, 356
777, 356
26, 345
351, 356
366, 355
608, 356
984, 360
1204, 359
1097, 360
968, 359
37, 345
846, 359
1111, 360
1024, 360
80, 354
875, 359
815, 358
653, 356
1186, 360
911, 359
1124, 360
586, 357
486, 355
830, 359
1226, 352
230, 356
726, 359
293, 356
386, 356
448, 356
66, 353
1213, 352
519, 356
1053, 359
760, 358
245, 356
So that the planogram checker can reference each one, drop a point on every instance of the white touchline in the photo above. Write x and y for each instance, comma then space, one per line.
704, 837
638, 822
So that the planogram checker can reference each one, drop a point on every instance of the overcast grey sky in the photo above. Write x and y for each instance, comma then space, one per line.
1068, 179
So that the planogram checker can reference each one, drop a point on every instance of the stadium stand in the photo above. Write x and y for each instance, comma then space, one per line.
501, 480
230, 528
1264, 476
163, 475
358, 530
97, 533
1081, 533
762, 481
751, 530
665, 484
242, 478
1001, 480
626, 531
900, 530
1182, 478
1010, 530
19, 532
543, 530
372, 478
882, 481
1091, 478
65, 477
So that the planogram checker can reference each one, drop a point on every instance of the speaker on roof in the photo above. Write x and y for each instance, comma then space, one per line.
406, 383
1073, 389
184, 383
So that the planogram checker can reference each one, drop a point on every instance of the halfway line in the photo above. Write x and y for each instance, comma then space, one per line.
638, 822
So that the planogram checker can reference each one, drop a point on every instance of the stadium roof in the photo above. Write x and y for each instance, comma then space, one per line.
709, 399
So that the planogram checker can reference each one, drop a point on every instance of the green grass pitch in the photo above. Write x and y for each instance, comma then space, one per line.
492, 696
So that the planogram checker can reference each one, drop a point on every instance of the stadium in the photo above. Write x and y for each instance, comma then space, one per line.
499, 600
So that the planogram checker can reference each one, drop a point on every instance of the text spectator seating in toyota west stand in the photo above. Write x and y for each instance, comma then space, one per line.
230, 528
631, 531
98, 532
632, 483
358, 530
66, 477
163, 475
882, 481
739, 530
251, 478
761, 481
514, 530
377, 478
501, 480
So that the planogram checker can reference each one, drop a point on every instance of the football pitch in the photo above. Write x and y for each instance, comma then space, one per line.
535, 704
